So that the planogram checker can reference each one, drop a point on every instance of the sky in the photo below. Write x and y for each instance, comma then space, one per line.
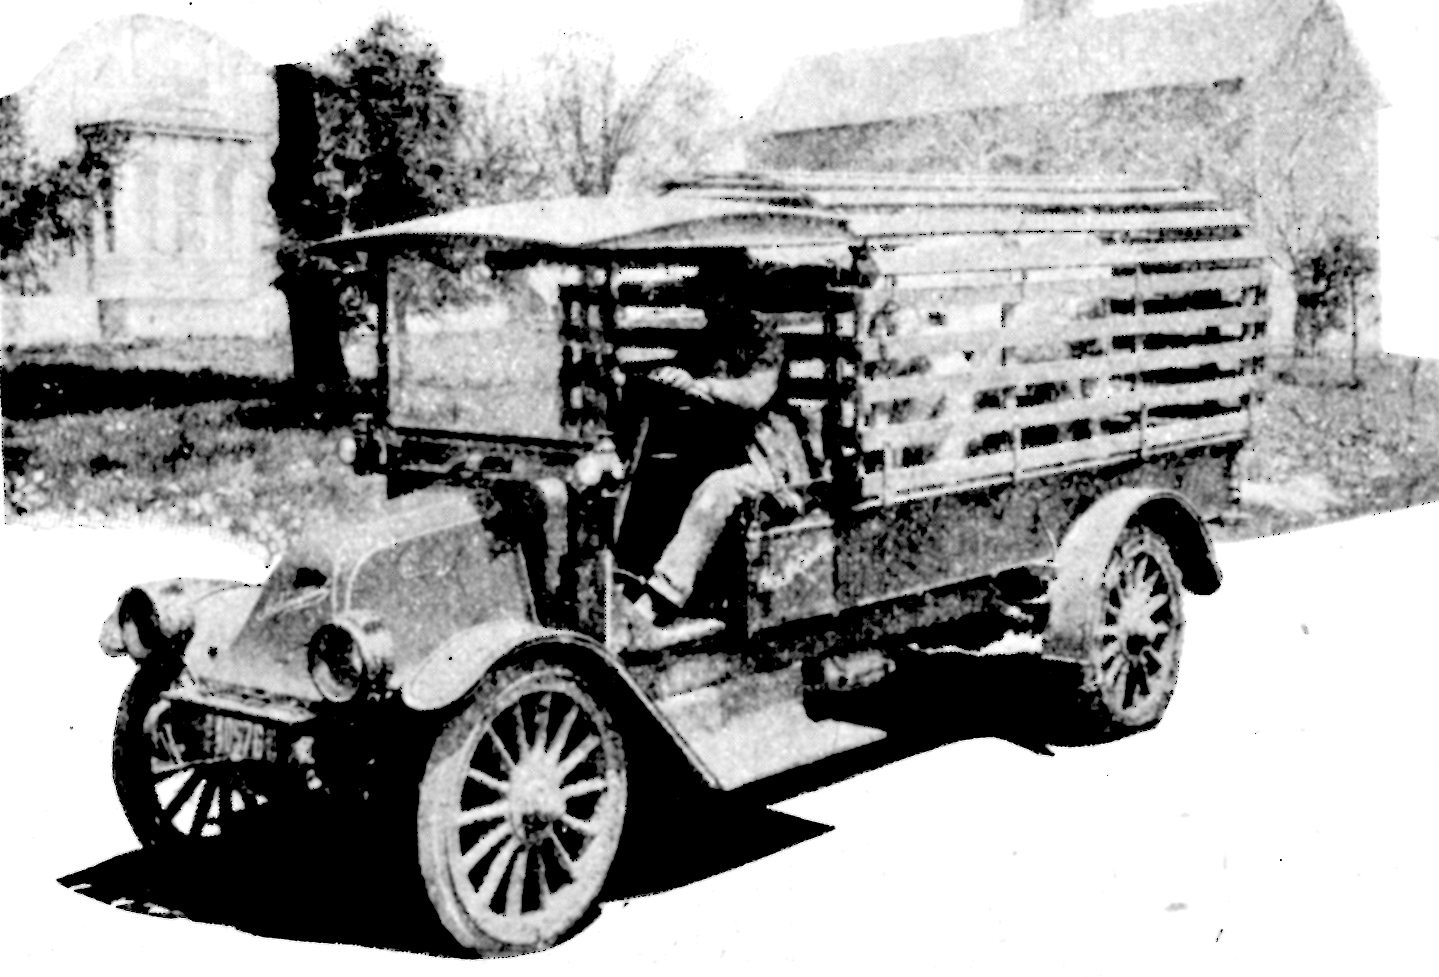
743, 46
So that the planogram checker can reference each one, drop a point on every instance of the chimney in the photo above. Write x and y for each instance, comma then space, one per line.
1043, 11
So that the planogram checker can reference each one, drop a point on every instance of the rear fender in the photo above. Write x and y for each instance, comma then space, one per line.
455, 668
1079, 564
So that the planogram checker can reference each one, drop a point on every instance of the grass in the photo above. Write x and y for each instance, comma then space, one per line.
155, 433
152, 434
1328, 448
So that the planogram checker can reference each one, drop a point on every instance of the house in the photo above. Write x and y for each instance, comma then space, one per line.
185, 244
1267, 103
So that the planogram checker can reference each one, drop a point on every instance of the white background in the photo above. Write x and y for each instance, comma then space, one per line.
1280, 820
1285, 804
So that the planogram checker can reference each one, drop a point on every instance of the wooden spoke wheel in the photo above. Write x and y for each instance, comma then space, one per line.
169, 788
521, 811
1135, 632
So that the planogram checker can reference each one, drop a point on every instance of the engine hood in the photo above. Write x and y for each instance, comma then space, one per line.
427, 568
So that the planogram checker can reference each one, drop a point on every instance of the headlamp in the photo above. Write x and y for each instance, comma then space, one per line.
146, 627
349, 655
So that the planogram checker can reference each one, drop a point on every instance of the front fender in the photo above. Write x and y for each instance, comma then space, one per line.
453, 668
458, 665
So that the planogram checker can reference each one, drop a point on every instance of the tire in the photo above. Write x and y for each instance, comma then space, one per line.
521, 810
170, 795
1134, 635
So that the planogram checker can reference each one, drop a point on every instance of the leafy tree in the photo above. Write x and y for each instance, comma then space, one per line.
369, 139
496, 148
46, 207
1334, 285
597, 132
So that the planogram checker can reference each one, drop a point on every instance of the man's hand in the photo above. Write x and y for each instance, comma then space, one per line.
680, 379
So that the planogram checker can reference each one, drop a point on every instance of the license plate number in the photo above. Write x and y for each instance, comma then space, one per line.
230, 738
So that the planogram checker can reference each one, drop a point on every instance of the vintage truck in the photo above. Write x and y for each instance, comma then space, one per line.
1022, 399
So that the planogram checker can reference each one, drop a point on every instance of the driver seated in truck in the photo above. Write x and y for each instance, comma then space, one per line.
739, 363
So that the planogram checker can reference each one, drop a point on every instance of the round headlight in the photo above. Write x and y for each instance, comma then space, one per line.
147, 627
350, 654
336, 664
139, 624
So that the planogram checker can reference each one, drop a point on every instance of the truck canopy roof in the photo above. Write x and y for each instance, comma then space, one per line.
795, 219
615, 228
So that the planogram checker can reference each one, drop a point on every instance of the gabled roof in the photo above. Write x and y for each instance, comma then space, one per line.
1173, 46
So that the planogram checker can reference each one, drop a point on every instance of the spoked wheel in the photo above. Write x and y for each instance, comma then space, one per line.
521, 811
170, 790
1136, 629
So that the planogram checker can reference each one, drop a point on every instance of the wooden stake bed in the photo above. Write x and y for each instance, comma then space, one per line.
1010, 327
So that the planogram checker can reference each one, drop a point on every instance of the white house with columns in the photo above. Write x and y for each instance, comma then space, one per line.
185, 246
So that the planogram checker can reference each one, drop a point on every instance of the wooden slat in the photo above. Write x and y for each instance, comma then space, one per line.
939, 341
655, 336
1047, 197
1224, 355
942, 220
966, 287
778, 299
973, 424
1088, 449
828, 255
947, 473
648, 356
1183, 431
981, 252
1053, 197
957, 473
1186, 282
878, 179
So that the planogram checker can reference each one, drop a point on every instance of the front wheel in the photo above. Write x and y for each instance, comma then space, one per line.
1134, 633
521, 810
170, 786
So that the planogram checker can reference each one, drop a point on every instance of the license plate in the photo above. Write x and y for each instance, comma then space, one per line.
230, 738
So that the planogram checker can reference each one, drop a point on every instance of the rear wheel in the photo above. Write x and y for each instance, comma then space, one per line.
521, 810
1134, 634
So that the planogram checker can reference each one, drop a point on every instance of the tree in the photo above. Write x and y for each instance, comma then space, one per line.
596, 132
496, 148
370, 139
46, 208
1334, 282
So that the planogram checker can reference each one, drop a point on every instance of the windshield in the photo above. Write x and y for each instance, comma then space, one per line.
488, 368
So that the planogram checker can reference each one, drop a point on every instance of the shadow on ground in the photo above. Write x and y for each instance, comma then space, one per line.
34, 391
328, 875
304, 880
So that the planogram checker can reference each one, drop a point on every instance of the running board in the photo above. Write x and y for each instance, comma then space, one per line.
756, 726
